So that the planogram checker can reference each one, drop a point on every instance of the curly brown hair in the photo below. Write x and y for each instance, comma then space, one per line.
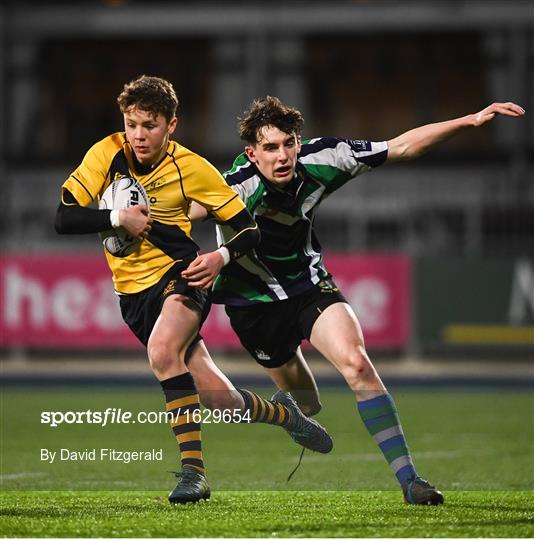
151, 94
269, 111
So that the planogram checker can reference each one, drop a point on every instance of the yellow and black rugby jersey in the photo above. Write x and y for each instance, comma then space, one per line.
179, 178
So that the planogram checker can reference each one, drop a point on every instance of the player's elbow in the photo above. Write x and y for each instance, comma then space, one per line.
244, 242
413, 152
403, 150
63, 224
252, 239
256, 236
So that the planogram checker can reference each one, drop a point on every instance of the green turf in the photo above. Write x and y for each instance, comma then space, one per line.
476, 446
265, 514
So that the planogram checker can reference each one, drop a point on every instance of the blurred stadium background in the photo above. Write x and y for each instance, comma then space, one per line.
435, 255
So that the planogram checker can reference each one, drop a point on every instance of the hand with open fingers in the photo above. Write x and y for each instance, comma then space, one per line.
136, 220
201, 273
506, 109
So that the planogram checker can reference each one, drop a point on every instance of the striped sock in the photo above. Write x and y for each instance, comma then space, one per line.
381, 419
182, 400
263, 411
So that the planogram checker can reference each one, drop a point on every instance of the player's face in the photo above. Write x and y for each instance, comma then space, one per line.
275, 154
148, 134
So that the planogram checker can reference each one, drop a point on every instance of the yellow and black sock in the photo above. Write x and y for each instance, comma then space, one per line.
264, 411
182, 400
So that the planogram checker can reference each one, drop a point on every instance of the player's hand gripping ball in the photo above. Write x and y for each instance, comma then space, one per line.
120, 194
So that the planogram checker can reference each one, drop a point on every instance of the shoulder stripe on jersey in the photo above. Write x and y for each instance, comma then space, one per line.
239, 174
181, 179
247, 188
318, 144
369, 153
238, 162
227, 202
81, 184
349, 156
339, 158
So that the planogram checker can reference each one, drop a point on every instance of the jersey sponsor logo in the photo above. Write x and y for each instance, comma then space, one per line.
360, 146
161, 181
327, 286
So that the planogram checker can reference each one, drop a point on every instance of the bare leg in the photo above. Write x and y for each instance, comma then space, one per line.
214, 388
296, 377
170, 351
337, 335
175, 329
217, 392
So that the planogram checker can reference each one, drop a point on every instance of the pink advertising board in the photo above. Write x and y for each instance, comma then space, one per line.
378, 287
55, 301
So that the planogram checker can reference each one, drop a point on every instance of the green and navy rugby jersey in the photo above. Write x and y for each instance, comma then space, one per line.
288, 260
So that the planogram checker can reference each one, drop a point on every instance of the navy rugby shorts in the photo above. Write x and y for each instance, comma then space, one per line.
272, 331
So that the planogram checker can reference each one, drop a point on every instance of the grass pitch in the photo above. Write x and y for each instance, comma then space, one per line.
265, 514
476, 446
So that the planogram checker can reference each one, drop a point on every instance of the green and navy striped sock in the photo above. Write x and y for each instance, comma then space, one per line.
381, 419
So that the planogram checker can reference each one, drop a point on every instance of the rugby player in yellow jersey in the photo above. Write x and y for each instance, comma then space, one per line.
164, 310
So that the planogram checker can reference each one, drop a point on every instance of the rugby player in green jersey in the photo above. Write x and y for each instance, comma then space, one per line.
281, 293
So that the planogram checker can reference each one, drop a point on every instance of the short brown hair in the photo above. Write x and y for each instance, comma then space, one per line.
269, 111
152, 94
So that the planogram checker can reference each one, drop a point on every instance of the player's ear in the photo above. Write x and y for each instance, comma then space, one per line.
251, 153
172, 125
299, 143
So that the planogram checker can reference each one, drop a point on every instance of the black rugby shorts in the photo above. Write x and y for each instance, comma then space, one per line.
141, 310
272, 331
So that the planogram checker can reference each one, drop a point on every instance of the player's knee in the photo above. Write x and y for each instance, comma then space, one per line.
356, 367
162, 358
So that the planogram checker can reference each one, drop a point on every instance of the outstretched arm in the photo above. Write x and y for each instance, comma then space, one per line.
416, 142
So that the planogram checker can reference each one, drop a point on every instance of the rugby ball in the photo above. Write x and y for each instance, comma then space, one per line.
122, 193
